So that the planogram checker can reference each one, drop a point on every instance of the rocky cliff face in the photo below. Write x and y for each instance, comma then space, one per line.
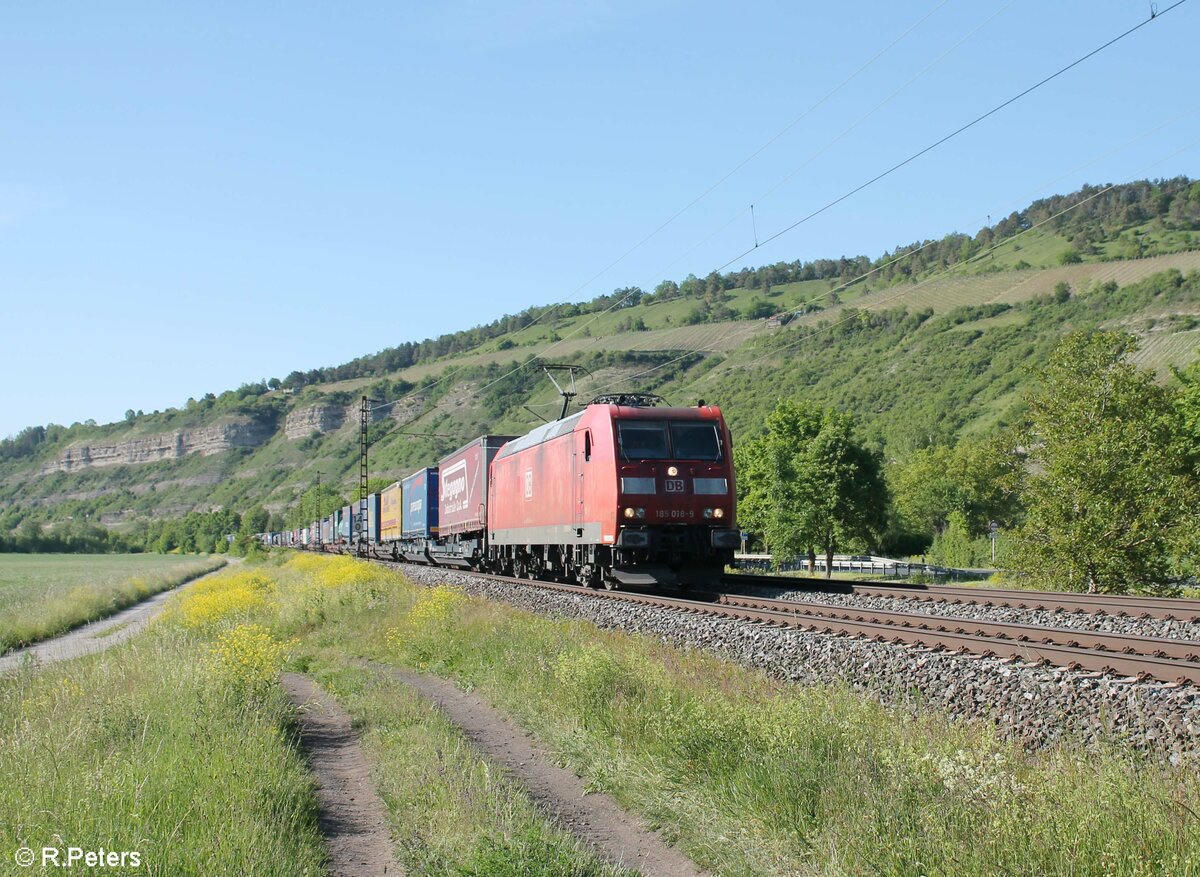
321, 419
204, 440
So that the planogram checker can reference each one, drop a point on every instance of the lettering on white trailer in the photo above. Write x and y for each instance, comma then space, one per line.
454, 487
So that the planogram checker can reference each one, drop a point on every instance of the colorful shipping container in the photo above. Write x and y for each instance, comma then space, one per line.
372, 533
389, 513
463, 486
419, 508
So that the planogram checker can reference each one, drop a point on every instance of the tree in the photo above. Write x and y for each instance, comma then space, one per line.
808, 485
315, 503
979, 480
255, 521
1109, 490
666, 290
758, 309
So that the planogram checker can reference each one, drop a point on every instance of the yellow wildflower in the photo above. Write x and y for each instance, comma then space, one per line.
248, 657
221, 597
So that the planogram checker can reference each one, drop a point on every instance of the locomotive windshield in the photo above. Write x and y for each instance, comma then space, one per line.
648, 440
695, 440
642, 440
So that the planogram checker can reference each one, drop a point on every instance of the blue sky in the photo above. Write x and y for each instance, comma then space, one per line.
193, 196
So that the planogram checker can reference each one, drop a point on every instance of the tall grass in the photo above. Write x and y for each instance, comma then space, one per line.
44, 595
161, 746
755, 777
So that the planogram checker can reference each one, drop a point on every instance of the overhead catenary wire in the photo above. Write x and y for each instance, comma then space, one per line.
829, 144
1041, 187
916, 155
895, 167
821, 101
909, 289
753, 155
957, 131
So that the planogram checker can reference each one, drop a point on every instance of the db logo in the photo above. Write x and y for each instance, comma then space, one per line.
673, 485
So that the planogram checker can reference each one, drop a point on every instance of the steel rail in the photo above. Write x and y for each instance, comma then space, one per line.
799, 615
1165, 608
1128, 644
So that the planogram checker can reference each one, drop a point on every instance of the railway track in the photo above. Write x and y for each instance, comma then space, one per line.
1168, 660
1139, 657
1054, 601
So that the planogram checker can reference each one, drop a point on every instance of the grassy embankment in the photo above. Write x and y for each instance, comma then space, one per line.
43, 595
177, 746
750, 776
181, 741
181, 745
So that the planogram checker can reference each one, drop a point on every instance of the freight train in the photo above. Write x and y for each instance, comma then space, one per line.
620, 493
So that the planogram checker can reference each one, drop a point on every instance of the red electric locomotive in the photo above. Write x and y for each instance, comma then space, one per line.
621, 493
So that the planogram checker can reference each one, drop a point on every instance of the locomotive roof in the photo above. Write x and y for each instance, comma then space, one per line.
543, 433
547, 431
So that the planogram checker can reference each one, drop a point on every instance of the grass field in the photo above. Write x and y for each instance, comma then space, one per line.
156, 748
180, 745
750, 776
42, 595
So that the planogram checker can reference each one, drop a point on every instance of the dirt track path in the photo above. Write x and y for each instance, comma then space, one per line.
353, 818
597, 819
94, 637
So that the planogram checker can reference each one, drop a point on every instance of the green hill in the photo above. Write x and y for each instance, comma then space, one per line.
923, 344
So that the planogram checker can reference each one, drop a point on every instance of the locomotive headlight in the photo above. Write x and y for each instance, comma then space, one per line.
718, 513
629, 513
708, 513
641, 513
672, 471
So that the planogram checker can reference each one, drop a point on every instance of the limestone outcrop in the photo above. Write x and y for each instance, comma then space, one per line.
203, 440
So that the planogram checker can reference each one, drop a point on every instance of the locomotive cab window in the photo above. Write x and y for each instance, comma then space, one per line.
695, 440
642, 440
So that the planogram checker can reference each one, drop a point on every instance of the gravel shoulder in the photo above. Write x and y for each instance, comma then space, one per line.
1036, 705
597, 819
96, 636
352, 817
